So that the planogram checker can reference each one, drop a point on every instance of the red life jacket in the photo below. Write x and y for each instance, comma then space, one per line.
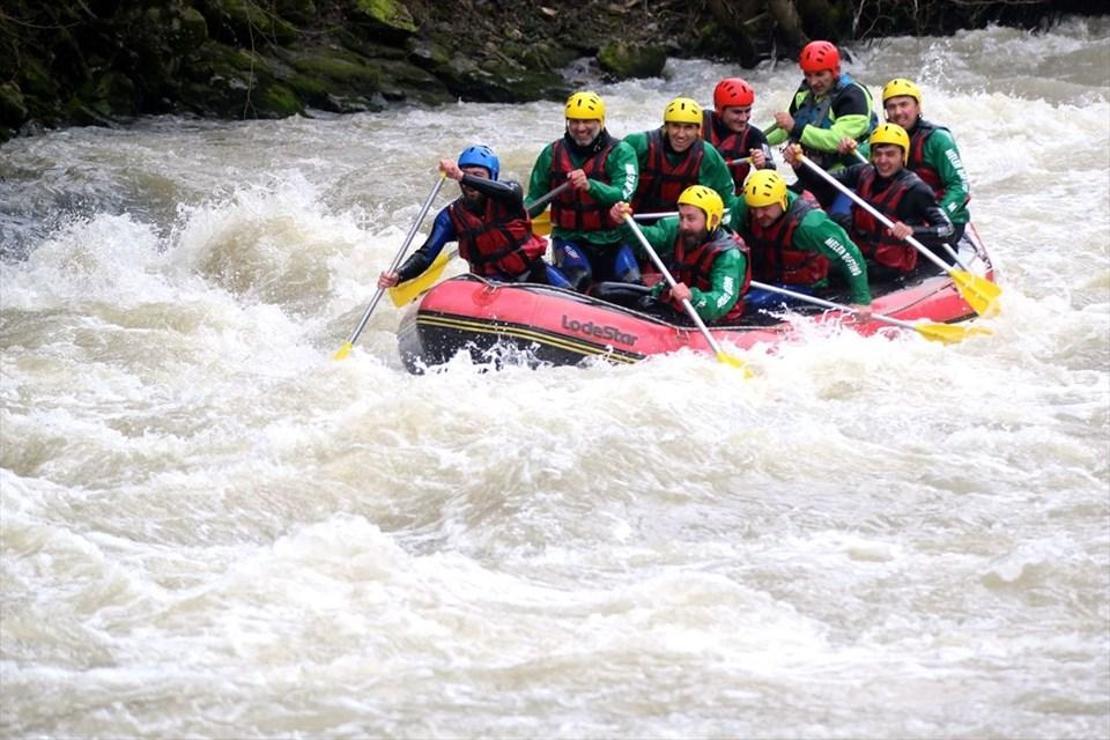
661, 182
499, 241
575, 209
731, 146
695, 267
773, 254
873, 240
921, 133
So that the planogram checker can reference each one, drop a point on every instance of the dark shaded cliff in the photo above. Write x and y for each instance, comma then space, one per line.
80, 62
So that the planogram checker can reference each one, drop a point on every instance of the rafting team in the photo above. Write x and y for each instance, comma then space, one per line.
737, 219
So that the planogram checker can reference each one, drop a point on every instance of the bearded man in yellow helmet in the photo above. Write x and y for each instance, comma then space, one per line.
898, 194
674, 157
933, 156
708, 261
586, 243
793, 243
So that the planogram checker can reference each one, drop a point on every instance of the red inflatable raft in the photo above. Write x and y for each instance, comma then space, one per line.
560, 327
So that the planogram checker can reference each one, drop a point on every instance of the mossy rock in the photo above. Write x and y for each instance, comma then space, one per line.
234, 83
338, 66
389, 16
623, 60
427, 52
275, 100
402, 81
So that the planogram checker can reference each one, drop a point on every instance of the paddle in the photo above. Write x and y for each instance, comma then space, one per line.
947, 247
721, 356
947, 333
658, 215
739, 160
403, 293
541, 222
350, 343
546, 198
979, 292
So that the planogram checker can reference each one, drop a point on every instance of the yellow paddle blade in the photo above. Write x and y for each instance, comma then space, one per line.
981, 294
343, 351
404, 293
541, 224
727, 359
949, 333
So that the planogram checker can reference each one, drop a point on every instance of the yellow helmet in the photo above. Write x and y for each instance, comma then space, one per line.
765, 188
682, 110
891, 133
901, 86
707, 200
585, 106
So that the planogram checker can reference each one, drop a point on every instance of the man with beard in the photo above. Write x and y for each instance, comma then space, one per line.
490, 224
586, 243
793, 243
898, 194
708, 261
933, 153
674, 157
728, 128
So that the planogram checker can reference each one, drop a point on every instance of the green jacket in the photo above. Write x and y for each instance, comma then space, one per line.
850, 112
713, 173
726, 277
819, 233
623, 177
941, 155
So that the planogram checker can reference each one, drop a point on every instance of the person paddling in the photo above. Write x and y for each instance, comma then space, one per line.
586, 244
898, 194
708, 260
793, 243
828, 106
933, 152
728, 128
674, 157
489, 223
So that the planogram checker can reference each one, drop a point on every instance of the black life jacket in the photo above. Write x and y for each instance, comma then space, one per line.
872, 239
775, 260
574, 209
695, 267
497, 241
661, 182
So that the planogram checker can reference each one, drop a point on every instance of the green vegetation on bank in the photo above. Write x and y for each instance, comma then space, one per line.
81, 62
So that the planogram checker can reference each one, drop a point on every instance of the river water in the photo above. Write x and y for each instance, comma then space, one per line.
211, 529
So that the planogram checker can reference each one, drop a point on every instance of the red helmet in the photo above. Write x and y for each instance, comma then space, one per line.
732, 91
818, 56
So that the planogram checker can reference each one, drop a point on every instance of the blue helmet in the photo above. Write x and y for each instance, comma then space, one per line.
481, 156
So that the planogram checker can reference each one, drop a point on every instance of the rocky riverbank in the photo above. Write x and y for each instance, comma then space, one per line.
100, 62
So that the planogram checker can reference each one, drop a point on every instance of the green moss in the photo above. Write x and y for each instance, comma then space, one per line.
278, 100
388, 13
626, 60
337, 66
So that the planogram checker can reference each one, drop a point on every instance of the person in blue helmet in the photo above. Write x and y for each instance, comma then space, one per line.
490, 224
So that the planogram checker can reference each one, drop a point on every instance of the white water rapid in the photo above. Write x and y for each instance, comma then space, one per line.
211, 529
